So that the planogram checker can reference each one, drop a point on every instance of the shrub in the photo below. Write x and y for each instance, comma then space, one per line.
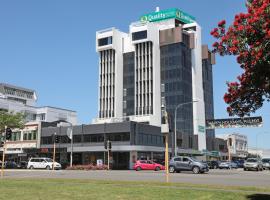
88, 167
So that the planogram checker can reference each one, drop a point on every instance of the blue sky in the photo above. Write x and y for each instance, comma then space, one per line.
49, 46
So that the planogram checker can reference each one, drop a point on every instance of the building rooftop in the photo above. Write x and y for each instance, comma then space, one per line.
16, 87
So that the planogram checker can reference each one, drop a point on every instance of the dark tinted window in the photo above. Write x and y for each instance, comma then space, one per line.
139, 35
185, 160
105, 41
177, 159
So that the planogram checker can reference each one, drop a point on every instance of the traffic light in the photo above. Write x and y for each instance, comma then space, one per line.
8, 133
105, 144
57, 138
110, 145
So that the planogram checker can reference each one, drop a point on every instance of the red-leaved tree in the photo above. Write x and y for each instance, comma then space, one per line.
248, 38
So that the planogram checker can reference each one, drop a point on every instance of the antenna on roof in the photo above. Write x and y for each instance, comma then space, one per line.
157, 9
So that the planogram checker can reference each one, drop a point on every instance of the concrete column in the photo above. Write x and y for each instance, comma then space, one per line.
133, 156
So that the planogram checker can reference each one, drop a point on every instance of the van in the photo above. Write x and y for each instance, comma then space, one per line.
42, 163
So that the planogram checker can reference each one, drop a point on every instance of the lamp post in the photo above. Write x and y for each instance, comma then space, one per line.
70, 136
175, 117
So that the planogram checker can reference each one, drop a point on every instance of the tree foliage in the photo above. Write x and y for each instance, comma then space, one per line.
11, 120
248, 38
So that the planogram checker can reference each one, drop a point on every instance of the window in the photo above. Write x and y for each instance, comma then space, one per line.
77, 138
185, 160
105, 41
25, 136
139, 35
177, 159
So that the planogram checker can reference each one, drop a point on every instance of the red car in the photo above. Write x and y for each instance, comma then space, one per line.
147, 165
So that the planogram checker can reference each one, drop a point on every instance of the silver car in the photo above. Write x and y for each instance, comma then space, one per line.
228, 165
266, 163
179, 163
253, 164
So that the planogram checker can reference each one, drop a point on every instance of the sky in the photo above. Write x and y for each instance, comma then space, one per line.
49, 46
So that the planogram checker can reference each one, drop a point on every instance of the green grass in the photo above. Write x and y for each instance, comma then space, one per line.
67, 189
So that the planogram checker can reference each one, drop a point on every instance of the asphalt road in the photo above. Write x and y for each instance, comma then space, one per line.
214, 177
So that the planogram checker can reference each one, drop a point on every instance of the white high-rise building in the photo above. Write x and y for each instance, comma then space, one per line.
157, 64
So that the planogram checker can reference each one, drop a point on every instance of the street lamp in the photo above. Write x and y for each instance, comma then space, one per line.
175, 117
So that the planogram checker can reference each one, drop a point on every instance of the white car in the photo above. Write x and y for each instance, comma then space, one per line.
42, 163
253, 164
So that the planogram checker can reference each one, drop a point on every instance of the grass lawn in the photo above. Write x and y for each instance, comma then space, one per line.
56, 189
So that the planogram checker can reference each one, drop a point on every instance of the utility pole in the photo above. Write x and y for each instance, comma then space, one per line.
3, 157
108, 155
54, 138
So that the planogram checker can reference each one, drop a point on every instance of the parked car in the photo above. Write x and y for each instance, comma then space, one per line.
22, 165
147, 165
240, 163
179, 163
213, 164
228, 165
266, 163
42, 163
253, 164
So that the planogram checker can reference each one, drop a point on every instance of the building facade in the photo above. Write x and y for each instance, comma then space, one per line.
158, 64
26, 142
237, 145
130, 141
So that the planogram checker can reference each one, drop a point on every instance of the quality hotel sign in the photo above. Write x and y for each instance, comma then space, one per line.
168, 14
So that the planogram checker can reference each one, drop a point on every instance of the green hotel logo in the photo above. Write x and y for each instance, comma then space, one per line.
168, 14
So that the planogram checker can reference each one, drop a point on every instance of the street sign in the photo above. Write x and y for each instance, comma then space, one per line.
201, 129
234, 122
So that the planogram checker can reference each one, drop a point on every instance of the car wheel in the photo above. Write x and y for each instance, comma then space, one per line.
245, 169
196, 170
31, 167
138, 169
48, 167
257, 169
157, 168
171, 169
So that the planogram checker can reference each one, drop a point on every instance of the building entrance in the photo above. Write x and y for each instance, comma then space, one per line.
120, 160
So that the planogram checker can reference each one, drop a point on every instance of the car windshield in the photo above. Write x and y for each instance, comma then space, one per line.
49, 160
251, 160
266, 160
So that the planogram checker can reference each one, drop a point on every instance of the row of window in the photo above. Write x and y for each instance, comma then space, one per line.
27, 135
89, 138
148, 139
20, 93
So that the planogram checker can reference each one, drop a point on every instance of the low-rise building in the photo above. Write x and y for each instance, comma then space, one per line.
237, 145
25, 142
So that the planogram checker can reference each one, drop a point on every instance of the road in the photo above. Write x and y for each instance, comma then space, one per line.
214, 177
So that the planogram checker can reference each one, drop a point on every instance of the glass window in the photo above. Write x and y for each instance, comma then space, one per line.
139, 35
185, 160
177, 159
25, 136
105, 41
